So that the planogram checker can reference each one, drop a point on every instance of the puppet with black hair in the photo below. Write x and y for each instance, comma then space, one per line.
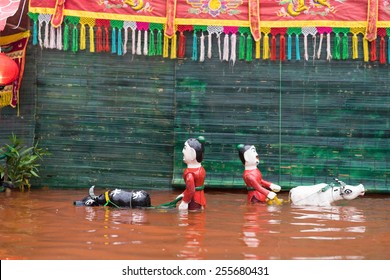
193, 197
259, 190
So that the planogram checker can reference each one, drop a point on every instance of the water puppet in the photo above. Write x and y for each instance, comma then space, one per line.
259, 190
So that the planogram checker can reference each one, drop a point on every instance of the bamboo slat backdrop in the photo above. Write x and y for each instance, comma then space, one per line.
121, 121
309, 122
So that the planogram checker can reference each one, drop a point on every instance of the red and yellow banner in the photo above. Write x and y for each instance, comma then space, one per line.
270, 13
14, 46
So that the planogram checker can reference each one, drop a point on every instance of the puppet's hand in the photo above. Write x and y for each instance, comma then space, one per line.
183, 206
271, 195
275, 188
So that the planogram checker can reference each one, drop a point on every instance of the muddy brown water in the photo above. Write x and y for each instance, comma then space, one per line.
43, 224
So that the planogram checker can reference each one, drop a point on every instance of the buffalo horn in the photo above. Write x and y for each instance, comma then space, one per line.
91, 193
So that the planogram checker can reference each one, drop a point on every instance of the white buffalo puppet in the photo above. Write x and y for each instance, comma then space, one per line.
324, 194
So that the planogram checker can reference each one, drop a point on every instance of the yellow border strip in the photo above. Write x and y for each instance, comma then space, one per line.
5, 40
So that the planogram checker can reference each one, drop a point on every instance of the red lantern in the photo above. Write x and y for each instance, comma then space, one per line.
9, 70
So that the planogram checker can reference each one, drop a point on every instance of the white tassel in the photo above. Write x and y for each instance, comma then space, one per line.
219, 47
59, 38
314, 46
209, 45
305, 46
138, 51
139, 43
145, 42
125, 39
39, 34
328, 52
320, 46
133, 49
233, 54
46, 40
202, 48
226, 48
52, 37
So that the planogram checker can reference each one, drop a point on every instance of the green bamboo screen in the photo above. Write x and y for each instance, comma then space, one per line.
310, 122
120, 121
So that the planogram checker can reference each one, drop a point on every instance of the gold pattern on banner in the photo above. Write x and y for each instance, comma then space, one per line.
214, 7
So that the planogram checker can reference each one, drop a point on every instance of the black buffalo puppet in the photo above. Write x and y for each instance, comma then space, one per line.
116, 198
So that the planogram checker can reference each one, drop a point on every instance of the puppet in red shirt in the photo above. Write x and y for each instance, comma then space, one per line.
259, 190
194, 175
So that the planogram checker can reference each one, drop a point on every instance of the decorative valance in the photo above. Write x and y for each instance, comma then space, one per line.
238, 29
14, 46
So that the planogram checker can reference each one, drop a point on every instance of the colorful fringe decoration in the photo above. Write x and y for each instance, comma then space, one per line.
291, 31
102, 38
217, 30
388, 44
194, 46
266, 50
232, 42
355, 41
116, 37
306, 31
34, 18
344, 42
155, 46
245, 44
382, 45
322, 31
281, 32
365, 50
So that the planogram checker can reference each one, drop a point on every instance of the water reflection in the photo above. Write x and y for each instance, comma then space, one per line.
194, 225
46, 225
115, 216
260, 221
337, 221
108, 223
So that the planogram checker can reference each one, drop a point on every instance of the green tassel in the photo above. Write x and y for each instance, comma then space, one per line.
345, 46
66, 37
336, 49
75, 39
249, 51
159, 42
241, 48
152, 48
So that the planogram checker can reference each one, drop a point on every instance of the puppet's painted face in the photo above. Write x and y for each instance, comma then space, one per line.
251, 156
189, 153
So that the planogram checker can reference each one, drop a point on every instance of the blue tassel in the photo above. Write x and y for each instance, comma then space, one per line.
194, 47
113, 40
35, 34
388, 51
120, 41
289, 47
297, 52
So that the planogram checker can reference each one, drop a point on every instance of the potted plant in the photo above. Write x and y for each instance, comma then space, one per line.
21, 163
